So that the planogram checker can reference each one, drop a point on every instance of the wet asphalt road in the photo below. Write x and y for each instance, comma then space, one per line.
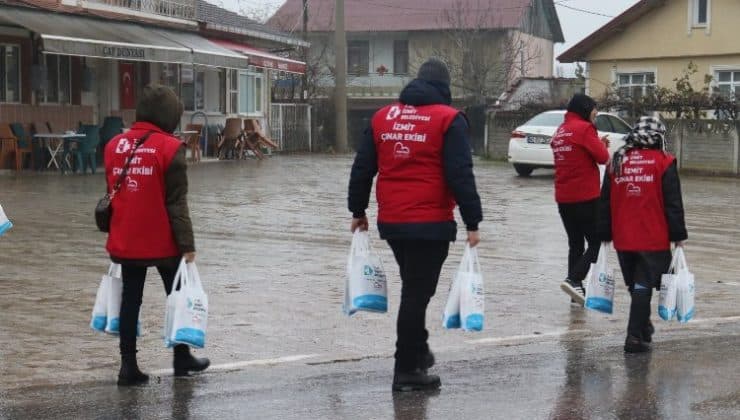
272, 239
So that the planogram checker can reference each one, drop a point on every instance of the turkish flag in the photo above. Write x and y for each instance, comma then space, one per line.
127, 85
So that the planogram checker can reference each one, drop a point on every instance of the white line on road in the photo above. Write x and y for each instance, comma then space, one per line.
517, 338
248, 363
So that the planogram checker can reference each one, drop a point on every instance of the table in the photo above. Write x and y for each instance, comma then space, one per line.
185, 135
55, 143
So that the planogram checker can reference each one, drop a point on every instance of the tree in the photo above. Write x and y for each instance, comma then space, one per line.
483, 62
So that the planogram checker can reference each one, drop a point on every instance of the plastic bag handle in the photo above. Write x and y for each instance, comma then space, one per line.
680, 258
181, 277
473, 261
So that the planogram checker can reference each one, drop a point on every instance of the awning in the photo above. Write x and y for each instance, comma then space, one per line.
89, 37
259, 58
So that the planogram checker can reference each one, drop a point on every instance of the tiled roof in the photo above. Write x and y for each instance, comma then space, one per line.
211, 14
406, 15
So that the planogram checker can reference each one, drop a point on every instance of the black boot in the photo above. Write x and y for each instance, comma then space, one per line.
639, 322
427, 360
647, 332
416, 380
130, 374
184, 362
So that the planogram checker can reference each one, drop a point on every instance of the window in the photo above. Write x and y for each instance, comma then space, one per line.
401, 57
10, 73
58, 82
728, 83
618, 125
635, 85
603, 124
251, 92
700, 12
233, 91
170, 76
358, 57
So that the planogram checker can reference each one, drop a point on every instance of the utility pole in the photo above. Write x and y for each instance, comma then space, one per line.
304, 87
340, 85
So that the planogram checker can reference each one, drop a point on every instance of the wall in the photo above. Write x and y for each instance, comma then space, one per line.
602, 73
61, 117
664, 32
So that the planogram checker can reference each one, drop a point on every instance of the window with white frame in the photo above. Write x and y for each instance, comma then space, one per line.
700, 12
251, 92
728, 83
10, 73
58, 87
635, 85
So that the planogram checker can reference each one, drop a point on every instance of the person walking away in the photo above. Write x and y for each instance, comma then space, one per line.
150, 224
643, 213
577, 152
420, 150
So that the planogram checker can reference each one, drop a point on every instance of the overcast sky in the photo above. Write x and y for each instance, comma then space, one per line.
576, 24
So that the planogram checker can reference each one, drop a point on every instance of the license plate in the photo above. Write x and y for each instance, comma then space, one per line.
539, 139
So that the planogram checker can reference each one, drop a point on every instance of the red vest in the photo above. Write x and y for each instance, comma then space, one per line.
638, 213
140, 227
411, 185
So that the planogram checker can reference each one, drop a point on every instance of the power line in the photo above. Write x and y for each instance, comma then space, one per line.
590, 12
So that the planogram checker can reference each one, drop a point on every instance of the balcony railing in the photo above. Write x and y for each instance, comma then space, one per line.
180, 9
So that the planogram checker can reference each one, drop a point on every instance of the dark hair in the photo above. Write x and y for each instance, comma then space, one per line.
582, 105
159, 105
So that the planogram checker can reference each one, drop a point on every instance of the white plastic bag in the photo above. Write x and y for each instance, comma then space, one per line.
451, 315
113, 306
472, 298
365, 288
186, 318
668, 289
685, 289
99, 319
5, 224
600, 284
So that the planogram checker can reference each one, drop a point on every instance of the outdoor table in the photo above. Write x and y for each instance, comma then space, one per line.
183, 135
55, 143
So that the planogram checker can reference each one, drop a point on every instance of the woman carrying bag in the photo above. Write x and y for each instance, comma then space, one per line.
150, 224
578, 150
642, 212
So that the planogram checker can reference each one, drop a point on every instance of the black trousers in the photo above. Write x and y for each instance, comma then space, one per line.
644, 269
580, 221
133, 278
420, 263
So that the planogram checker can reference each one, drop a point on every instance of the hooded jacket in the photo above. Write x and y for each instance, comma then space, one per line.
456, 164
577, 151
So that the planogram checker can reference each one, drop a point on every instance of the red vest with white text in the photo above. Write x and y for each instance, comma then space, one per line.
140, 227
638, 212
411, 185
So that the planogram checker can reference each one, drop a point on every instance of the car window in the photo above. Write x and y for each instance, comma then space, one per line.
602, 124
620, 126
549, 119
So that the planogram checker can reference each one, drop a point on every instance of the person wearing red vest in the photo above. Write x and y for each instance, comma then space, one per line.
577, 152
420, 151
643, 213
150, 224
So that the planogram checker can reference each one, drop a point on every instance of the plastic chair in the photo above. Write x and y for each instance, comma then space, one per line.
193, 141
25, 146
87, 148
8, 144
231, 139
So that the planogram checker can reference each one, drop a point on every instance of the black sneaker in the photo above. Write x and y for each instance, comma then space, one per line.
575, 290
417, 380
635, 345
647, 332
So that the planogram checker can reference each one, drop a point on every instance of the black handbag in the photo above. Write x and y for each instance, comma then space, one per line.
103, 210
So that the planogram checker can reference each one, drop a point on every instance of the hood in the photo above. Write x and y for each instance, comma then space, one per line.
421, 92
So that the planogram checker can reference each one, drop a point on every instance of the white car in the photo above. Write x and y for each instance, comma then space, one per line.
529, 147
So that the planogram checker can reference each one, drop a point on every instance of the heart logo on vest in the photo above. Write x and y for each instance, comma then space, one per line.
400, 151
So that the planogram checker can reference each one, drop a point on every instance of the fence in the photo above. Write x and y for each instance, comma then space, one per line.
707, 146
290, 127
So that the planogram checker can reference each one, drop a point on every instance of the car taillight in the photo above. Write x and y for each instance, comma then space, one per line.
518, 135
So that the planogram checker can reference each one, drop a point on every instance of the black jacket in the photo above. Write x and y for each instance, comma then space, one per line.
458, 168
672, 201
